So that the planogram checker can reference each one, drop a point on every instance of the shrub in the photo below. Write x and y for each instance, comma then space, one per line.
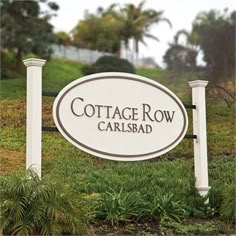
125, 206
166, 206
30, 206
119, 206
109, 64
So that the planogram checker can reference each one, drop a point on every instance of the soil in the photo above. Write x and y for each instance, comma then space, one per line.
152, 228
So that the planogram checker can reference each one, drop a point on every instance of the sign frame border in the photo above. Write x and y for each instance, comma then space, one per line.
112, 156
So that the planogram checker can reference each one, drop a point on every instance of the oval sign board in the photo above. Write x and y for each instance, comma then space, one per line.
120, 116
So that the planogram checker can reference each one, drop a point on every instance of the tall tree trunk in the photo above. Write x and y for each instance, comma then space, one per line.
19, 64
126, 44
136, 45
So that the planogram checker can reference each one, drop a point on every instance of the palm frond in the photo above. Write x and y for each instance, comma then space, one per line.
152, 37
29, 205
167, 21
179, 33
141, 4
23, 229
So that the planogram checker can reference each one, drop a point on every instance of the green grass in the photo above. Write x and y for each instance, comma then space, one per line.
56, 74
99, 180
13, 89
177, 83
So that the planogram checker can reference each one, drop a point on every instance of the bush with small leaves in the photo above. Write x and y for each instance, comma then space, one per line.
109, 64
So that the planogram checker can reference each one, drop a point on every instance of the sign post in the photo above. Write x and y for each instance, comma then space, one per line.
34, 114
199, 129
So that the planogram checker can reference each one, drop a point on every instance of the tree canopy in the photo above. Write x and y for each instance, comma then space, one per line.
25, 29
214, 33
97, 32
105, 29
136, 22
62, 38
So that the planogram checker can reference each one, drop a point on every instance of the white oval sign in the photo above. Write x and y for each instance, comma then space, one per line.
120, 116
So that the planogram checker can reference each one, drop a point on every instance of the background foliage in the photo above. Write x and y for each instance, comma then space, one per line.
214, 33
109, 64
34, 33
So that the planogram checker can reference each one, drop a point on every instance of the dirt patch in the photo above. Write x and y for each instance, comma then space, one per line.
13, 113
126, 228
153, 228
11, 160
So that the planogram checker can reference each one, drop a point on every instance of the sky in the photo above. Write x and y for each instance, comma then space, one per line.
181, 13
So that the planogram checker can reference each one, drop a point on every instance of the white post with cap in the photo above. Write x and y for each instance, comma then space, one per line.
199, 129
34, 114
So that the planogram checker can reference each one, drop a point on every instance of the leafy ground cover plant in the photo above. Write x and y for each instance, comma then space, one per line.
32, 206
120, 206
166, 206
169, 226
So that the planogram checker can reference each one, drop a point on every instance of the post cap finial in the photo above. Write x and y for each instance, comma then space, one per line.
34, 62
198, 83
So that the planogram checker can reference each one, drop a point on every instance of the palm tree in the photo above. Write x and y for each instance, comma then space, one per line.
136, 23
30, 206
101, 12
190, 37
181, 57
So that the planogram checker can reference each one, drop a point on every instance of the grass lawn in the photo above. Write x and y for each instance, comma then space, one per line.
98, 183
